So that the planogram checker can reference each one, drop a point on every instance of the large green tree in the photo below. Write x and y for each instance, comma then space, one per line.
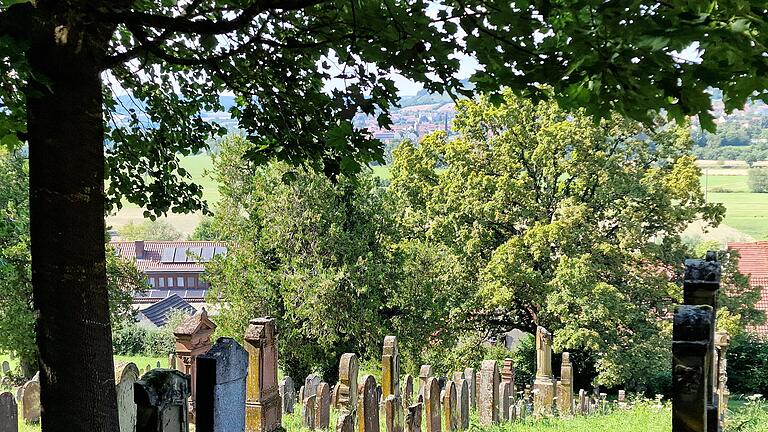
64, 62
563, 222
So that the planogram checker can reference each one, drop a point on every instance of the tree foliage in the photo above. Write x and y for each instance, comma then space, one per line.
561, 221
150, 230
758, 180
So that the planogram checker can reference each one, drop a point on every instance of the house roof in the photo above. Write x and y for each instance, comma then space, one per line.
158, 312
169, 256
753, 262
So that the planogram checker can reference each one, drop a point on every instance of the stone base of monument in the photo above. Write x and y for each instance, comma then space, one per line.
544, 390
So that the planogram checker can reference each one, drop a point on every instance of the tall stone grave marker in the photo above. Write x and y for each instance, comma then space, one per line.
6, 368
367, 406
262, 407
161, 398
323, 411
126, 376
504, 397
309, 412
583, 402
221, 375
691, 341
408, 391
450, 409
9, 414
193, 339
347, 392
345, 422
722, 341
508, 374
413, 418
310, 385
390, 382
432, 405
470, 376
287, 394
488, 397
425, 372
30, 402
544, 384
565, 389
463, 404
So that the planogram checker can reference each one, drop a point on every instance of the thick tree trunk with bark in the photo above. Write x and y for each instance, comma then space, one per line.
66, 158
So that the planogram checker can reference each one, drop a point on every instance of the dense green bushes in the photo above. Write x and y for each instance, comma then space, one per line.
136, 340
748, 365
758, 180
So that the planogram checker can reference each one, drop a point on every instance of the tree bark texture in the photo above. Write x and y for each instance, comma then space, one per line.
66, 158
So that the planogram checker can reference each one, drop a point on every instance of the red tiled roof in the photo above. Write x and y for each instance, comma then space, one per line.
753, 262
153, 251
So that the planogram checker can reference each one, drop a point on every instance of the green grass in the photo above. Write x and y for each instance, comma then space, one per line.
729, 183
745, 211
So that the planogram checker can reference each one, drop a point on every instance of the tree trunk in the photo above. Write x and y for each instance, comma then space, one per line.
66, 159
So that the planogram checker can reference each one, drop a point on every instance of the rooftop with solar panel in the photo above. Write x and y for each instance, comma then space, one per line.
171, 267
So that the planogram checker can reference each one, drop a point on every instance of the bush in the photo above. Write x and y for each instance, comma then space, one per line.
159, 342
748, 364
129, 340
132, 339
758, 180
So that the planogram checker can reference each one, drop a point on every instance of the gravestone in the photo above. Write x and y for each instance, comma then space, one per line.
301, 394
469, 375
691, 342
583, 407
6, 368
171, 361
408, 391
622, 399
544, 384
30, 402
323, 410
347, 386
462, 404
263, 412
193, 339
345, 422
722, 341
488, 396
367, 406
521, 410
565, 386
126, 376
504, 396
161, 401
18, 391
310, 385
335, 395
432, 405
477, 389
425, 372
390, 409
457, 377
508, 374
287, 394
9, 414
413, 418
309, 412
221, 375
450, 414
390, 380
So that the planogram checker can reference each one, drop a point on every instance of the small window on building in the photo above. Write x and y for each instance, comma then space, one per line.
180, 281
191, 282
170, 282
161, 282
152, 282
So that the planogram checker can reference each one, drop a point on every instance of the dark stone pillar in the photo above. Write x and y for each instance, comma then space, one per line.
691, 344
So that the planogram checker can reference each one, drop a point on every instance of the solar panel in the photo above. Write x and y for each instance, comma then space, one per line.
194, 294
196, 252
167, 255
220, 250
207, 254
181, 255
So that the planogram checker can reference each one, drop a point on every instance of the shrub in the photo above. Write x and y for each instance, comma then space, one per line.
748, 364
758, 180
129, 340
159, 342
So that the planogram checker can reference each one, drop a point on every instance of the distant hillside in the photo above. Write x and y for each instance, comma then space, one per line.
424, 97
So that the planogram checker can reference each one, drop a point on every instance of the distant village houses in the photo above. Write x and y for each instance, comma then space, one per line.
753, 262
174, 272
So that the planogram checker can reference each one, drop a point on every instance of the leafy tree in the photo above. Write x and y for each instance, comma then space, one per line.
563, 222
758, 180
322, 258
205, 230
150, 230
64, 63
17, 317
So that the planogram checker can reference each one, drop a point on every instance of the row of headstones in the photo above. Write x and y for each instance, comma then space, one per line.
28, 397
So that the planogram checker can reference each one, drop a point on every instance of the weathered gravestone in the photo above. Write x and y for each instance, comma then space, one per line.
287, 394
463, 404
544, 384
193, 339
171, 361
425, 372
583, 402
565, 386
390, 409
470, 376
508, 374
9, 414
345, 422
323, 410
126, 376
310, 385
161, 401
504, 397
408, 391
367, 406
390, 381
622, 399
221, 374
262, 407
457, 377
30, 402
432, 405
6, 368
347, 386
309, 412
691, 340
450, 414
488, 396
413, 418
301, 394
722, 341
